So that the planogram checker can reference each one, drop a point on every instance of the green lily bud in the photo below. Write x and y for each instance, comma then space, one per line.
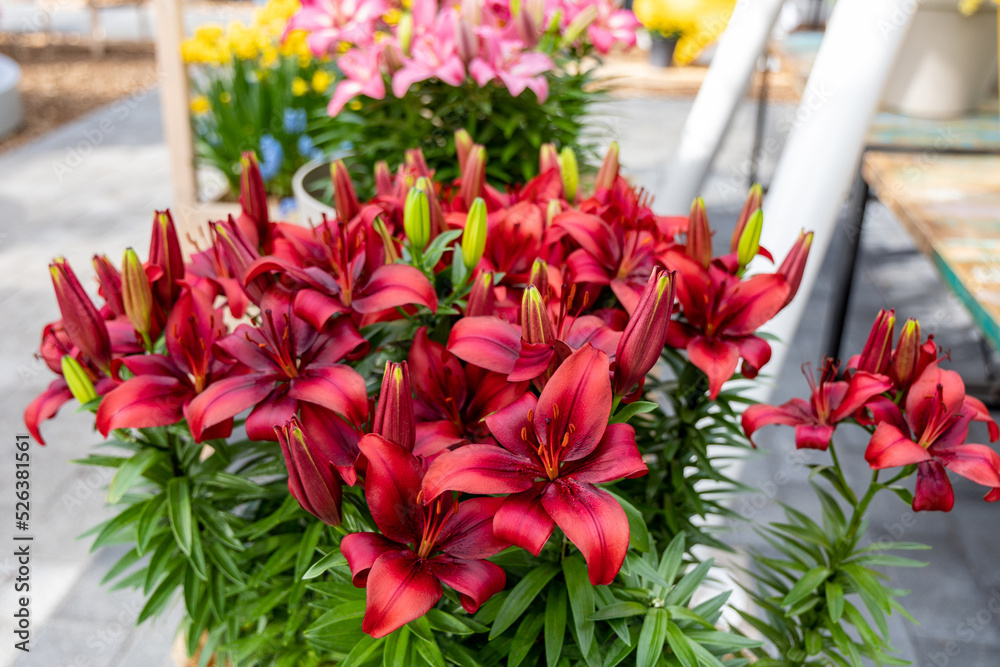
417, 218
749, 243
474, 237
554, 209
136, 293
404, 32
570, 173
79, 382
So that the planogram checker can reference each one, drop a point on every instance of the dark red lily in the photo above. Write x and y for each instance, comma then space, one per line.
316, 473
646, 332
937, 419
254, 220
208, 270
164, 385
552, 452
831, 401
420, 546
452, 402
286, 367
393, 418
165, 254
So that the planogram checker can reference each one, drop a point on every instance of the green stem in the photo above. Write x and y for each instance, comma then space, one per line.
860, 509
840, 473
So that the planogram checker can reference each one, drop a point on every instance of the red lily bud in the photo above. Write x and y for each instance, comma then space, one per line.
463, 144
482, 298
345, 199
877, 353
536, 325
466, 42
699, 236
383, 179
646, 332
416, 163
165, 252
137, 294
473, 175
253, 200
394, 411
548, 157
83, 324
751, 204
111, 284
239, 255
311, 477
608, 173
795, 263
906, 360
539, 276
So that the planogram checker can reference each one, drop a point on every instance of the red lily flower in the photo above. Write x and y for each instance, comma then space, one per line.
831, 402
285, 367
452, 402
345, 273
316, 474
938, 415
421, 546
164, 385
208, 270
552, 452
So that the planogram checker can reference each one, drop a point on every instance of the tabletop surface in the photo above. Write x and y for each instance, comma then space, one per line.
950, 205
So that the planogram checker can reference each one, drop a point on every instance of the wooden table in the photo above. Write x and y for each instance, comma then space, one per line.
951, 208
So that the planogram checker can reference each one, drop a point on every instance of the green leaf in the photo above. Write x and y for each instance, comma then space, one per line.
630, 410
431, 653
619, 610
834, 600
641, 568
364, 652
681, 645
806, 585
638, 537
524, 638
397, 648
332, 559
521, 596
686, 587
555, 624
130, 471
651, 638
149, 522
161, 596
673, 556
179, 509
581, 599
307, 548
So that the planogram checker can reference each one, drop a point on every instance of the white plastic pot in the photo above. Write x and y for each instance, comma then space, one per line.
309, 208
946, 64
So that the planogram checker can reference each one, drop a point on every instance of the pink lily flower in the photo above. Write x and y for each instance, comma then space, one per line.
331, 23
435, 54
506, 60
363, 76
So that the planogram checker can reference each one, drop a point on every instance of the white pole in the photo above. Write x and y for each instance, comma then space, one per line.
725, 85
820, 159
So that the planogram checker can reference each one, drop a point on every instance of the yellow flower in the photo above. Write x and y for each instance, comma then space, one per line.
969, 7
321, 81
299, 86
343, 47
696, 23
225, 97
269, 56
200, 105
392, 16
354, 105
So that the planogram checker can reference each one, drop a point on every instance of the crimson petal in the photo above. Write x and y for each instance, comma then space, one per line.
890, 448
792, 413
507, 423
401, 588
615, 458
142, 402
475, 580
581, 388
45, 406
273, 411
392, 484
339, 388
862, 388
522, 521
716, 358
976, 462
487, 342
227, 398
933, 491
469, 532
362, 550
479, 469
393, 285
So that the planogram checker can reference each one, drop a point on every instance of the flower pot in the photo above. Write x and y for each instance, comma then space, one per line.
946, 63
308, 179
661, 53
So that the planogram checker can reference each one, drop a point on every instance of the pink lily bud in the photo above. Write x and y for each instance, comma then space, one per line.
473, 175
137, 294
463, 145
527, 28
699, 236
345, 199
466, 42
482, 298
539, 276
383, 179
536, 325
906, 360
84, 325
111, 284
608, 173
165, 253
877, 353
253, 201
312, 479
795, 264
548, 157
752, 204
394, 411
646, 332
239, 255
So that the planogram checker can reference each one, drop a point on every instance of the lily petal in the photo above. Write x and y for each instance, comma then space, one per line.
225, 399
891, 448
933, 491
716, 358
401, 588
362, 550
522, 521
617, 457
393, 285
143, 402
577, 394
479, 469
475, 580
469, 532
487, 342
338, 388
392, 484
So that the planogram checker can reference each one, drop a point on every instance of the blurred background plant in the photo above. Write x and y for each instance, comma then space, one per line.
693, 23
254, 88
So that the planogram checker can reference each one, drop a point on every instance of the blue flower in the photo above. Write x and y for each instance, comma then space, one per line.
272, 155
294, 121
307, 148
285, 206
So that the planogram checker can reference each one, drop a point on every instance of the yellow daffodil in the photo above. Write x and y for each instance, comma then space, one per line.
299, 86
200, 105
321, 81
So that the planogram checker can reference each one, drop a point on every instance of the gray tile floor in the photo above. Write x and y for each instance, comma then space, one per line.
75, 192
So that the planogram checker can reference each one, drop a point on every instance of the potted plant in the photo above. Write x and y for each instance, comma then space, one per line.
682, 29
947, 61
